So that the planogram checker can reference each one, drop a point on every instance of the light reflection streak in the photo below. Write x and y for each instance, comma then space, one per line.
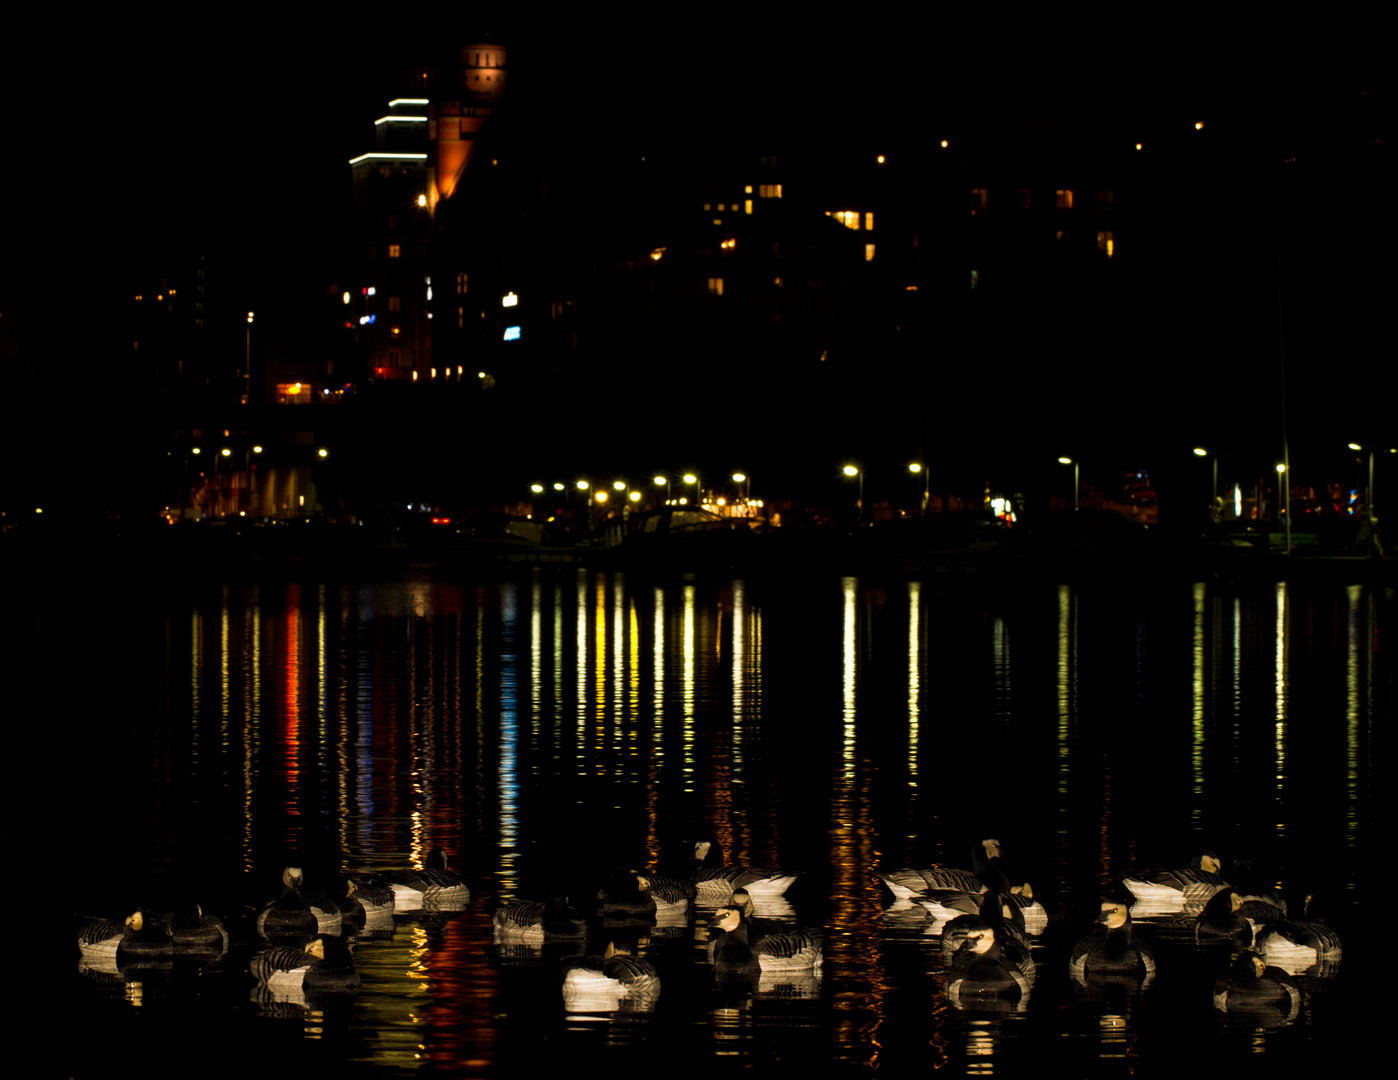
1198, 683
739, 659
658, 674
580, 659
1000, 654
1353, 676
536, 656
509, 736
618, 660
687, 643
599, 678
850, 586
1281, 688
914, 675
1067, 678
291, 698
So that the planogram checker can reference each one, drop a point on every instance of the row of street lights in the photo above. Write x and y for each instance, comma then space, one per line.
601, 495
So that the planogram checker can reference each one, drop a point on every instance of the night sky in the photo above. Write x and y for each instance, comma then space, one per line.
135, 139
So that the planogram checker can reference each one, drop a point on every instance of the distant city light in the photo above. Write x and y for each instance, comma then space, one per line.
422, 200
536, 488
1199, 125
401, 119
944, 144
619, 485
512, 333
388, 157
345, 298
409, 101
509, 300
850, 470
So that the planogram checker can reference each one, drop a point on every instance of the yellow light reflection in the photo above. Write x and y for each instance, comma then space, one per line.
687, 643
1197, 738
851, 587
914, 675
1067, 678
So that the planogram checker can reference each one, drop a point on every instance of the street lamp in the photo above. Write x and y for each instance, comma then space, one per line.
744, 479
1285, 482
691, 478
1073, 462
247, 363
666, 481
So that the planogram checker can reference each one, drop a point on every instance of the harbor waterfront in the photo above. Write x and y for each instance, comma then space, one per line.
545, 724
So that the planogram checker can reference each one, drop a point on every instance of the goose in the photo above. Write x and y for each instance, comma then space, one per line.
297, 914
618, 981
982, 975
796, 948
1173, 892
290, 973
532, 922
1303, 946
625, 900
1035, 917
1222, 919
195, 933
1111, 950
436, 887
108, 946
716, 880
1254, 993
907, 883
999, 913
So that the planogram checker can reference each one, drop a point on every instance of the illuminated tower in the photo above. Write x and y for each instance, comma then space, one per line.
386, 304
454, 124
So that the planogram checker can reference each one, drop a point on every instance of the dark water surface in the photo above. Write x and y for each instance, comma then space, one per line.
546, 727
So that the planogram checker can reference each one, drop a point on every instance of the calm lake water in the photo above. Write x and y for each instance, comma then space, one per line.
548, 726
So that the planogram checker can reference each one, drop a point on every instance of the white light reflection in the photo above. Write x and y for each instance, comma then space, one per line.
658, 674
739, 658
580, 659
509, 737
850, 586
689, 646
914, 675
536, 657
1281, 683
1353, 678
1197, 740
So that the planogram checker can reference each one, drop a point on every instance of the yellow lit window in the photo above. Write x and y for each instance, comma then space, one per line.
869, 221
1105, 244
769, 191
747, 205
460, 317
1064, 198
716, 286
747, 190
460, 284
868, 252
394, 251
848, 218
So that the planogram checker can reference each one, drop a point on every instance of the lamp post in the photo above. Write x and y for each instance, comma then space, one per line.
1285, 481
1073, 462
1369, 518
247, 363
1199, 451
693, 478
666, 481
918, 467
851, 470
744, 479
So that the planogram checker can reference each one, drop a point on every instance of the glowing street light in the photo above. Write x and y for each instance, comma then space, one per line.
692, 478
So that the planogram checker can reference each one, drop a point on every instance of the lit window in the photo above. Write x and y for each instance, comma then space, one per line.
512, 333
848, 218
1105, 244
394, 303
769, 191
460, 317
716, 286
460, 284
747, 205
394, 251
393, 331
979, 197
868, 252
747, 190
293, 393
1064, 198
708, 207
869, 221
